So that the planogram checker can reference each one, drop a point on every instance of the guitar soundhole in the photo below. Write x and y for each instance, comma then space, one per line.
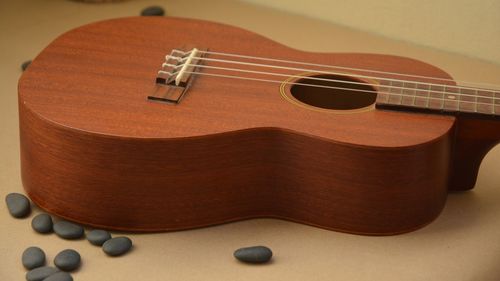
334, 92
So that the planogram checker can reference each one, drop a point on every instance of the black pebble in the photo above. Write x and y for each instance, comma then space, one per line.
18, 205
59, 276
255, 254
98, 237
68, 230
33, 257
25, 65
117, 246
42, 223
67, 260
40, 273
153, 11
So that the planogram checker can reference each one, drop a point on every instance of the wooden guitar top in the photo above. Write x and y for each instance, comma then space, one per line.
96, 79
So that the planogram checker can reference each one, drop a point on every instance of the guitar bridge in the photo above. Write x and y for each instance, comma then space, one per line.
176, 75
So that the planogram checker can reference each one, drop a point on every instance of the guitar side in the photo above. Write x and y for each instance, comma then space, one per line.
173, 184
473, 140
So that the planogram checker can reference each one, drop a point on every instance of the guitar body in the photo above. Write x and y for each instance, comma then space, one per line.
94, 150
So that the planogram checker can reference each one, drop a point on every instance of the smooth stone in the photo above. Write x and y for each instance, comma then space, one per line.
117, 246
98, 236
33, 257
59, 276
18, 205
42, 223
68, 230
255, 254
67, 260
40, 273
25, 65
153, 11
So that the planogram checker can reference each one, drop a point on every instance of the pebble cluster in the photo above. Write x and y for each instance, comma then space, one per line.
34, 259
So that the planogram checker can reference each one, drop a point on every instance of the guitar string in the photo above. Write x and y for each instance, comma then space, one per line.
341, 67
331, 80
341, 88
333, 73
324, 79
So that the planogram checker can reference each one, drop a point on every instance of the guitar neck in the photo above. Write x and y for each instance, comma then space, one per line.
451, 99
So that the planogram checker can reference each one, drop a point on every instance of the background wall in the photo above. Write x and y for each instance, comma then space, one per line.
466, 27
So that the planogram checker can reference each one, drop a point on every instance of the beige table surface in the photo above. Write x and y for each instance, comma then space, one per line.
462, 244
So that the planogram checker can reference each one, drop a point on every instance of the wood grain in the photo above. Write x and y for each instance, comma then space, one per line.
95, 151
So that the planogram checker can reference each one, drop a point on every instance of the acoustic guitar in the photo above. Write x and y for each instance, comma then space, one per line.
161, 124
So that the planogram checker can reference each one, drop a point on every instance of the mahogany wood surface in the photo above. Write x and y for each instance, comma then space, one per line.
474, 138
95, 151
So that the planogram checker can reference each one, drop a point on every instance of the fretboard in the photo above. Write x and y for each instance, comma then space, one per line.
443, 98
